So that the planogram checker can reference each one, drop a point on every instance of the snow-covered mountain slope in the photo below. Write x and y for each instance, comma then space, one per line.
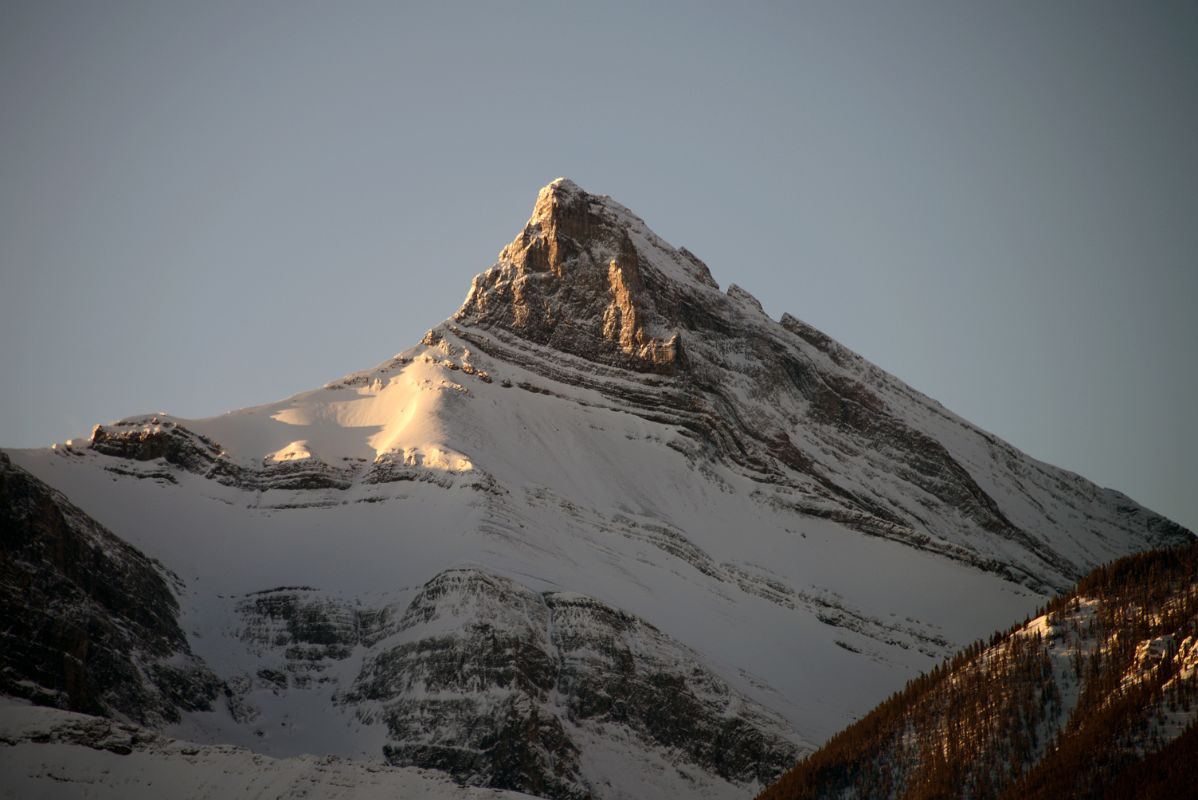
603, 515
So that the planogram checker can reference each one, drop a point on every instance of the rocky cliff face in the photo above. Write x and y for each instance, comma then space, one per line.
170, 443
501, 686
575, 280
498, 685
309, 631
90, 623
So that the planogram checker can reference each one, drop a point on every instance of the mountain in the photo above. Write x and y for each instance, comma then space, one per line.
1097, 697
607, 532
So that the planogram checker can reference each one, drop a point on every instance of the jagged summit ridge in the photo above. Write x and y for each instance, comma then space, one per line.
564, 196
586, 276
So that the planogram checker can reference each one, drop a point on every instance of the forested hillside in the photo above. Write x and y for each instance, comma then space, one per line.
1095, 698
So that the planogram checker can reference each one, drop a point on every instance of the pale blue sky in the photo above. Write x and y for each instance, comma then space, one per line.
210, 205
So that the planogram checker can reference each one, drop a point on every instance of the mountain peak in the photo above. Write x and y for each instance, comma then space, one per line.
554, 197
562, 185
586, 276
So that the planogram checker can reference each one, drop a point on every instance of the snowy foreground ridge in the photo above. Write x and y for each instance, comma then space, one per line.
606, 532
51, 755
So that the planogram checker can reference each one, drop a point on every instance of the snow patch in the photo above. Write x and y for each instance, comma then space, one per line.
294, 451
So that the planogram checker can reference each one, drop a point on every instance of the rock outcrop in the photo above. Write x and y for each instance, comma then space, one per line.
574, 280
90, 624
499, 686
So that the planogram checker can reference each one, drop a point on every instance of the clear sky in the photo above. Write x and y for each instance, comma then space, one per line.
210, 205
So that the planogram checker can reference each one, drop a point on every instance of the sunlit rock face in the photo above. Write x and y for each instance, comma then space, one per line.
574, 280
